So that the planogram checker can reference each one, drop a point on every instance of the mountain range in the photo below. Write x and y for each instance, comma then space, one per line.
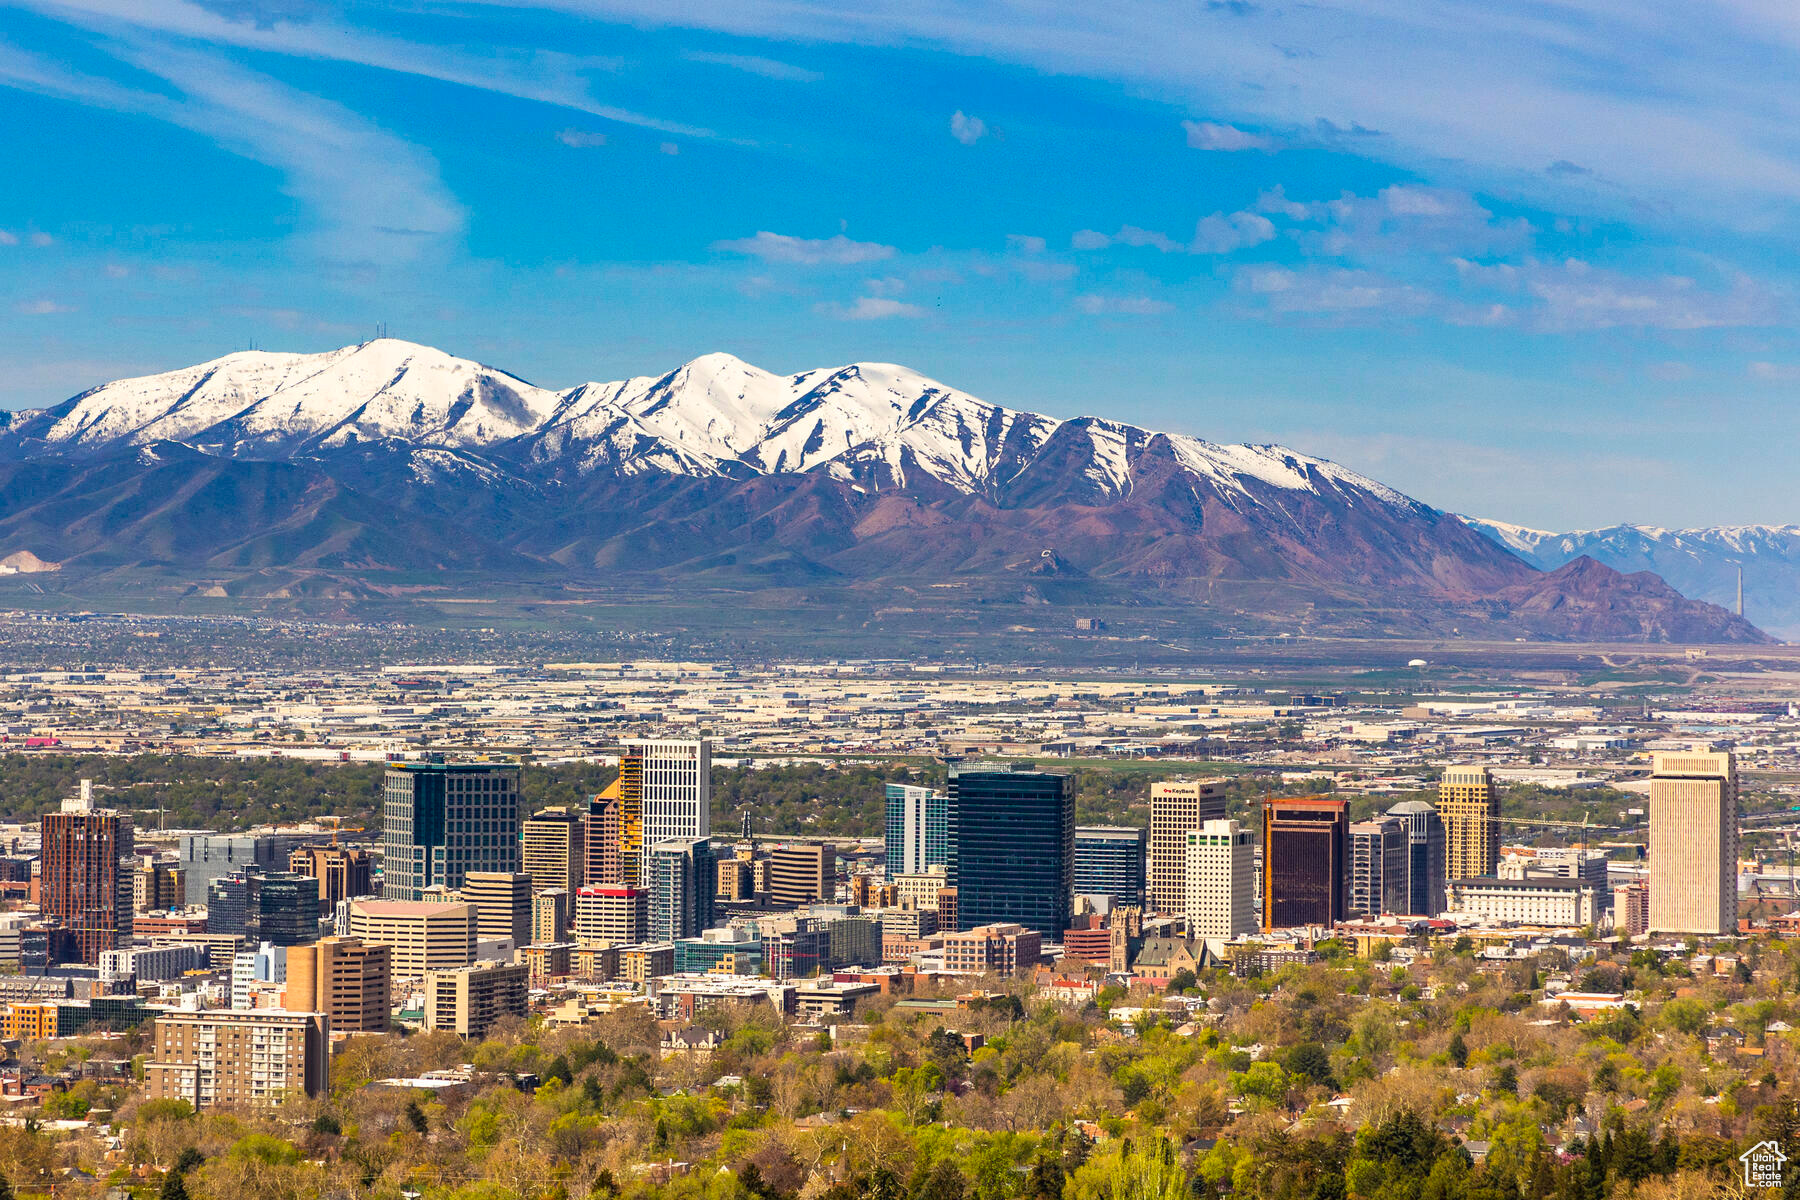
388, 459
1702, 563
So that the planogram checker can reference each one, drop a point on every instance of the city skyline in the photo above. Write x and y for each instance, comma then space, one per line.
1507, 281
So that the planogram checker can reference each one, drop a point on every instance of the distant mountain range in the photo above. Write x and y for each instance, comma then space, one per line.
1701, 563
389, 457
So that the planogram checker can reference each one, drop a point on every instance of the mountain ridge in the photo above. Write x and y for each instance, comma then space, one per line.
1702, 562
869, 421
392, 457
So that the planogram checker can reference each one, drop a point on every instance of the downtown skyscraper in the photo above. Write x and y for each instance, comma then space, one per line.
665, 795
1470, 808
85, 883
442, 820
1306, 849
1694, 842
1012, 847
1177, 807
918, 829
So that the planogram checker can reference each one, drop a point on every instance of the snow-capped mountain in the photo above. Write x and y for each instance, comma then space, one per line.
878, 424
264, 405
1703, 563
390, 456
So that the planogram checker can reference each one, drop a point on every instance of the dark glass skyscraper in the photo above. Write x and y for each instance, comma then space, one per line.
1306, 850
279, 907
209, 856
1109, 861
1012, 847
1378, 871
1426, 852
442, 820
683, 882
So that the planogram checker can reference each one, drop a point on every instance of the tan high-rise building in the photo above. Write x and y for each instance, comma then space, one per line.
468, 1000
1470, 808
157, 887
348, 981
803, 874
737, 880
1694, 843
611, 916
424, 937
238, 1056
502, 901
343, 872
550, 916
1177, 808
1631, 908
555, 849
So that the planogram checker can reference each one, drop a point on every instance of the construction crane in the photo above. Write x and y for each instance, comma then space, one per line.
1585, 824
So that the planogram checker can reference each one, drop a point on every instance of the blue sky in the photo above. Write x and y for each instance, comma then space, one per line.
1532, 261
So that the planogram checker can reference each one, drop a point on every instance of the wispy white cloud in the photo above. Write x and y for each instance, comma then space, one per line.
1212, 135
1128, 235
966, 129
580, 139
1222, 233
1135, 306
304, 29
1333, 292
1572, 295
1502, 89
872, 308
1401, 220
834, 251
1275, 200
367, 194
752, 64
1026, 243
41, 308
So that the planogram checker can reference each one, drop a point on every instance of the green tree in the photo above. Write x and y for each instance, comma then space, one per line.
1150, 1170
943, 1182
1310, 1061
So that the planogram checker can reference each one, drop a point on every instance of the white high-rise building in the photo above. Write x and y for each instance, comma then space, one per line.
918, 829
1221, 881
1694, 843
675, 779
265, 964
